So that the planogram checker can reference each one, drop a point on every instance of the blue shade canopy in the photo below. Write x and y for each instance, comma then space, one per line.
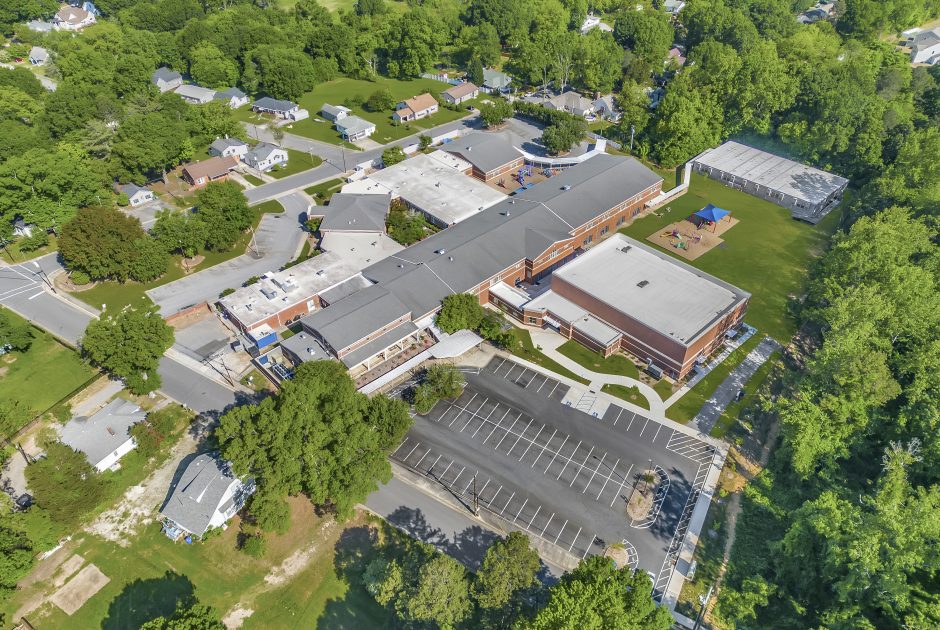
711, 213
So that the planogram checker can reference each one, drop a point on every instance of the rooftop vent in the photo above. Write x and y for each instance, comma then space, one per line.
440, 251
450, 258
642, 283
566, 187
626, 248
268, 293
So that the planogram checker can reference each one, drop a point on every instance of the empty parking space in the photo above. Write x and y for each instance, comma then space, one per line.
527, 378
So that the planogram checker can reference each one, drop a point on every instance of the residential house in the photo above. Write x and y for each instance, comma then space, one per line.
22, 228
136, 195
195, 94
215, 169
280, 109
265, 156
206, 496
570, 102
415, 108
675, 54
229, 147
87, 5
334, 113
495, 81
925, 47
591, 22
605, 107
104, 438
460, 93
673, 6
353, 128
166, 79
38, 56
40, 26
72, 18
233, 97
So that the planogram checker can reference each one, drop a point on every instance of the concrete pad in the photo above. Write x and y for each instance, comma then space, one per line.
80, 589
67, 569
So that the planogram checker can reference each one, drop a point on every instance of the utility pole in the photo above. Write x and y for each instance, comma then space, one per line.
476, 499
703, 599
632, 131
45, 278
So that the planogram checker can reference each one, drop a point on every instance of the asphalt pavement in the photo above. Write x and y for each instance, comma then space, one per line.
276, 242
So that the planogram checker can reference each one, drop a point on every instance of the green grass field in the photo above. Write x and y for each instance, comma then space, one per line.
297, 162
523, 348
630, 394
336, 92
117, 295
767, 254
594, 361
12, 254
251, 179
44, 374
321, 193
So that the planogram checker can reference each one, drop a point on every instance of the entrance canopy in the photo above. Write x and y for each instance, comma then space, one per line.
711, 213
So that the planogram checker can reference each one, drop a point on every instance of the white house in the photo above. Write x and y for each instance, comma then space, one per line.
233, 97
353, 128
415, 108
605, 107
591, 22
229, 147
195, 94
459, 93
136, 195
22, 228
280, 109
104, 437
334, 112
166, 79
673, 6
265, 156
925, 47
38, 56
206, 496
570, 102
72, 18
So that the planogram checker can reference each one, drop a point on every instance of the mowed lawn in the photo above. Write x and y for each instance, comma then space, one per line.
336, 92
767, 254
44, 374
150, 575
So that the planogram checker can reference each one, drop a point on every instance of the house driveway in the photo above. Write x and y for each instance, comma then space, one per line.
277, 240
147, 213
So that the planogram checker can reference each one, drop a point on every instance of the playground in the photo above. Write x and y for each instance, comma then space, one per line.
696, 234
521, 179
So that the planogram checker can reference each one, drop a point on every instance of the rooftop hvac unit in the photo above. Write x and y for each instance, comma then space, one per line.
268, 293
642, 283
626, 248
566, 187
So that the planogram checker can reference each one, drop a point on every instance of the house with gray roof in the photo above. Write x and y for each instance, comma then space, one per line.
354, 128
280, 109
136, 195
206, 496
334, 112
233, 97
229, 147
264, 156
104, 437
570, 102
195, 94
925, 47
495, 81
38, 56
492, 155
356, 213
166, 79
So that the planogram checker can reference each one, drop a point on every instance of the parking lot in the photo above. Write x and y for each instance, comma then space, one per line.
510, 445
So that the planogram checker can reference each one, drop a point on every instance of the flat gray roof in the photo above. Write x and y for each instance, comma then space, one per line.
772, 171
102, 433
353, 317
356, 213
305, 347
667, 295
486, 151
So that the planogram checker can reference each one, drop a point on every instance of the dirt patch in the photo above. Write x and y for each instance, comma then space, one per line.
67, 569
641, 500
4, 369
236, 617
685, 239
80, 589
297, 561
619, 555
189, 263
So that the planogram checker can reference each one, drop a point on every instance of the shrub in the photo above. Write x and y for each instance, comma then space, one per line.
123, 199
252, 280
227, 291
393, 155
380, 100
253, 545
424, 141
79, 277
39, 238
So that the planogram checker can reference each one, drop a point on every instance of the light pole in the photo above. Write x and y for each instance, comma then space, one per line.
42, 274
632, 131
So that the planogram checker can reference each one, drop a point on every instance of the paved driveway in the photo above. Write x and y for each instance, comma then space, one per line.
276, 240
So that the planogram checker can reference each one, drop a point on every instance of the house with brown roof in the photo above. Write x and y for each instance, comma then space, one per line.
415, 108
214, 169
72, 18
459, 93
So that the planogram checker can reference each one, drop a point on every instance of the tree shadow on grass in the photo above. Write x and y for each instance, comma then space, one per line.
356, 608
143, 600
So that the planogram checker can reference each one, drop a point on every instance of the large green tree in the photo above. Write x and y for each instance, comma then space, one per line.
280, 71
65, 484
180, 231
129, 345
646, 33
210, 67
223, 210
509, 566
195, 617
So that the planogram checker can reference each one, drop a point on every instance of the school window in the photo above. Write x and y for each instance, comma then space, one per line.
621, 221
533, 320
554, 254
605, 230
588, 240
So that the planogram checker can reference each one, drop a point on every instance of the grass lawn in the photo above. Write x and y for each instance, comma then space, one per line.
767, 253
594, 361
663, 388
44, 374
336, 92
151, 574
251, 179
630, 394
731, 414
523, 348
297, 161
11, 253
256, 381
117, 295
321, 193
691, 402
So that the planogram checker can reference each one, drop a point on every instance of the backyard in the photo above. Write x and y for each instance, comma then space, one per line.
767, 254
43, 375
339, 91
116, 295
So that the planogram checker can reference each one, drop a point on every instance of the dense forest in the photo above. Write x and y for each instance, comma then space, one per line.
842, 529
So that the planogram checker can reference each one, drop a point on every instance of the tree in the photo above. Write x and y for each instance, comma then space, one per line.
210, 67
223, 210
561, 136
129, 345
150, 260
440, 381
480, 41
496, 113
148, 144
393, 155
458, 312
318, 436
476, 71
15, 333
104, 242
414, 42
441, 594
598, 62
647, 33
380, 101
687, 123
509, 565
596, 596
195, 617
282, 72
13, 416
179, 231
370, 7
65, 484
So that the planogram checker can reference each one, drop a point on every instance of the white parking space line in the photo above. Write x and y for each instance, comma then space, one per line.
591, 480
509, 431
435, 463
631, 422
483, 489
606, 480
33, 297
575, 539
476, 416
590, 544
557, 383
581, 467
411, 451
543, 384
618, 416
497, 424
545, 472
545, 529
467, 487
569, 461
520, 510
622, 484
499, 366
498, 490
644, 427
482, 424
521, 433
401, 445
531, 442
458, 475
422, 458
657, 432
507, 503
538, 509
543, 449
441, 476
560, 531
